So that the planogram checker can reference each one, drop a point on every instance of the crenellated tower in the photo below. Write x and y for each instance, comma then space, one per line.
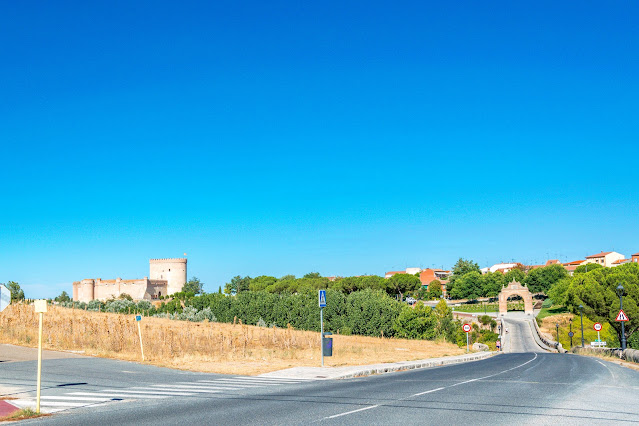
171, 270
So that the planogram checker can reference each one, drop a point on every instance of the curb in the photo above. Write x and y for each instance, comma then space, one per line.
337, 373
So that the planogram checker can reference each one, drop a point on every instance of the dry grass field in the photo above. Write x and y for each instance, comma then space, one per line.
206, 347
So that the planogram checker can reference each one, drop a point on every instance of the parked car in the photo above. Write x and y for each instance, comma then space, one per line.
411, 300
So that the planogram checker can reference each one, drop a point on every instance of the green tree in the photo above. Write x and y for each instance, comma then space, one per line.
469, 286
434, 289
461, 268
542, 279
193, 286
261, 283
63, 297
313, 275
237, 285
417, 322
16, 292
515, 275
596, 291
582, 269
399, 284
492, 283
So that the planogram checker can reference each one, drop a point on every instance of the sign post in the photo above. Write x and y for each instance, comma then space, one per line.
40, 308
466, 328
597, 326
138, 318
322, 305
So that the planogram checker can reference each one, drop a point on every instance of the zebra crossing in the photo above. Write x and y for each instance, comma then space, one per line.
223, 386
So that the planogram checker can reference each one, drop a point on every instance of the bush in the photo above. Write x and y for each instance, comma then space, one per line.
415, 323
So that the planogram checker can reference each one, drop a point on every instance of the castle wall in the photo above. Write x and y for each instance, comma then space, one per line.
171, 270
142, 289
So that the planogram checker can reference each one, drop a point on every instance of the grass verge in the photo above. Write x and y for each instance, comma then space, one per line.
25, 413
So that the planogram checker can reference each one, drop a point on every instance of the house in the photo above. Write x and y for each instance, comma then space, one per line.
501, 267
429, 275
571, 266
605, 258
635, 258
620, 262
410, 271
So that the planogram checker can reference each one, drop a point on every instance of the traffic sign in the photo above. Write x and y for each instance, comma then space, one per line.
138, 317
622, 316
5, 297
570, 334
322, 298
597, 326
466, 328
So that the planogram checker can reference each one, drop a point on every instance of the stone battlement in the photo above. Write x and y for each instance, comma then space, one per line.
172, 260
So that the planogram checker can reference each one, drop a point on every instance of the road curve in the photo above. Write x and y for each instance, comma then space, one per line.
513, 388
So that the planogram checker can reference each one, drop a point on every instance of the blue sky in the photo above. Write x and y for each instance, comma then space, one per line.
278, 137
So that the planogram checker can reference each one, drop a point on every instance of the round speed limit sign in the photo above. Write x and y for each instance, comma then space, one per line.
466, 328
597, 326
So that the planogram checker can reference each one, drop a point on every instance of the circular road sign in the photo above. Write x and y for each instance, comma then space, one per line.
571, 334
597, 326
466, 328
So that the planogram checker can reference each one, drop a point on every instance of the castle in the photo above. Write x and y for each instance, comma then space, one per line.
167, 276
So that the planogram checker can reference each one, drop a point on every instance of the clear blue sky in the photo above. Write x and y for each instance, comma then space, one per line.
340, 137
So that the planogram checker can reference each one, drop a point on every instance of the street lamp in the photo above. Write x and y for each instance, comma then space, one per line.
557, 326
581, 309
623, 329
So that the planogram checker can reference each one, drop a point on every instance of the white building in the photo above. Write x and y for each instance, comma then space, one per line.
605, 258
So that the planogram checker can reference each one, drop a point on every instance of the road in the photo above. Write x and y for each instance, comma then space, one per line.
519, 337
512, 388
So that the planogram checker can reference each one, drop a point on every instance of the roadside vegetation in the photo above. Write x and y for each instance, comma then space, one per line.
231, 348
26, 413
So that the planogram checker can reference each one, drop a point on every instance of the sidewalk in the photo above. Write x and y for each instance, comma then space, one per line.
333, 373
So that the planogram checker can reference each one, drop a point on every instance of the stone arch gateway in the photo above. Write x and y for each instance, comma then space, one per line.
515, 289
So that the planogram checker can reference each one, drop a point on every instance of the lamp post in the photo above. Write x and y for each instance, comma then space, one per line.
570, 333
557, 327
623, 329
581, 310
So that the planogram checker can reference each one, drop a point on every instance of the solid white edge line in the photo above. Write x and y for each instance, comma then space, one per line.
351, 412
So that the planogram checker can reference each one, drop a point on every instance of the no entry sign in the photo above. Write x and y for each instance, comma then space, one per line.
597, 326
466, 328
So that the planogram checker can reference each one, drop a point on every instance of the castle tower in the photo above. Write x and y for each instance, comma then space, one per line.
171, 270
86, 292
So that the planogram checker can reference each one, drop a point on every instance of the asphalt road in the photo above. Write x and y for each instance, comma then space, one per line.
520, 388
519, 337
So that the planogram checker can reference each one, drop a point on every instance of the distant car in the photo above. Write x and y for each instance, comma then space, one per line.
411, 300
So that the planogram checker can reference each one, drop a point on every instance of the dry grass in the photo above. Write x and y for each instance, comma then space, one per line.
26, 413
206, 347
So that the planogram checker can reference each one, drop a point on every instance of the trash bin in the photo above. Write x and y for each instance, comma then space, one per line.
327, 344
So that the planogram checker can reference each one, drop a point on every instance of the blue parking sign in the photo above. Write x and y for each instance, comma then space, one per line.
138, 317
322, 298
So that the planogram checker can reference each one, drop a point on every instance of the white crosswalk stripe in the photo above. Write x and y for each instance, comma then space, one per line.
200, 388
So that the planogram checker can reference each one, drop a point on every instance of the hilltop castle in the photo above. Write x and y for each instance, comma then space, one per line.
167, 276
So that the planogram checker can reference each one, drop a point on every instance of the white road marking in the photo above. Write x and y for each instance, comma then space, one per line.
75, 398
161, 387
266, 380
351, 412
50, 403
430, 391
121, 395
233, 384
155, 391
478, 378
